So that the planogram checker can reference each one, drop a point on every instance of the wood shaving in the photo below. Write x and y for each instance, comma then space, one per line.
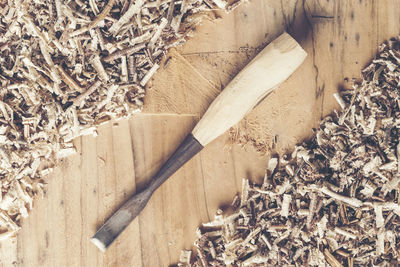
338, 203
67, 67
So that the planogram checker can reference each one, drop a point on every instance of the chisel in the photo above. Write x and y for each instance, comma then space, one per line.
273, 65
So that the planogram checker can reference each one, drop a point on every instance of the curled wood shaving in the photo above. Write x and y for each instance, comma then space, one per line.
67, 67
338, 203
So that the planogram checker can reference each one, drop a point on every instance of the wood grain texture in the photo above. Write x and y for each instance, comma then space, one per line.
84, 190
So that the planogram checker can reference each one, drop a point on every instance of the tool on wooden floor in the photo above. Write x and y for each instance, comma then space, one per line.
273, 65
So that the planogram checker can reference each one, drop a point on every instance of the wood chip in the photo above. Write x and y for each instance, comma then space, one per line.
331, 259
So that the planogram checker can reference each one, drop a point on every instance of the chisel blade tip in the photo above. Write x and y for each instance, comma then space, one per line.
98, 244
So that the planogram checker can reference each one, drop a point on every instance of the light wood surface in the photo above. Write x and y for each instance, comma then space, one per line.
85, 189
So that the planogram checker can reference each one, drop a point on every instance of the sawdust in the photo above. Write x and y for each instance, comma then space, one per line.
254, 132
268, 127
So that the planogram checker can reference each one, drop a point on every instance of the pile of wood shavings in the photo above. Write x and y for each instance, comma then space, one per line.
335, 200
68, 66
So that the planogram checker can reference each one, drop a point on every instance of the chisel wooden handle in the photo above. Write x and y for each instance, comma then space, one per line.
273, 65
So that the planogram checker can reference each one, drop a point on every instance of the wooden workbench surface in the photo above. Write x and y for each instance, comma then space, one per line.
85, 189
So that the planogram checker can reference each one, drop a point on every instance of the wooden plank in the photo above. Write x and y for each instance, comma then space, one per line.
128, 248
107, 183
90, 202
44, 239
71, 203
169, 221
8, 252
83, 190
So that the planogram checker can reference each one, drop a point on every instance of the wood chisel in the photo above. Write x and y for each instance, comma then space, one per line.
273, 65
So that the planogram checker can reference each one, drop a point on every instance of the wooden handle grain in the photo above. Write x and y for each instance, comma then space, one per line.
272, 66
